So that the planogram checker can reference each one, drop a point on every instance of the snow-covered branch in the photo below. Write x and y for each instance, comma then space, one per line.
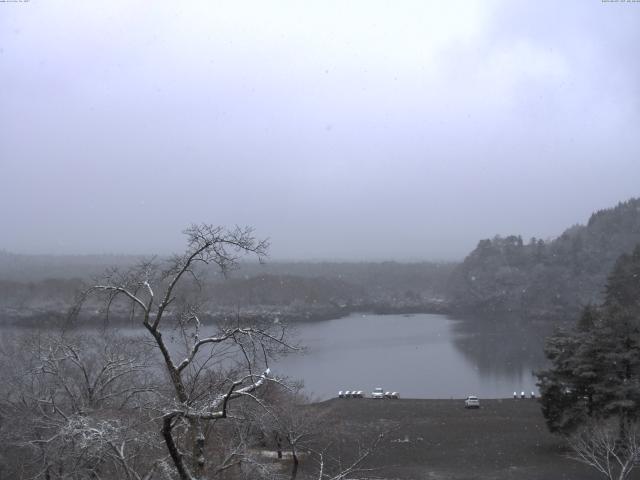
120, 289
605, 448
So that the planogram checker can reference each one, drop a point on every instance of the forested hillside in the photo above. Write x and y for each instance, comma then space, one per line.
506, 275
35, 289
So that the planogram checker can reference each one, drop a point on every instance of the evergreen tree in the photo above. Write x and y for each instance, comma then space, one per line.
595, 367
623, 285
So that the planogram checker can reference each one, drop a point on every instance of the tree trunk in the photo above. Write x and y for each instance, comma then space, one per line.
176, 456
294, 469
198, 443
622, 430
278, 445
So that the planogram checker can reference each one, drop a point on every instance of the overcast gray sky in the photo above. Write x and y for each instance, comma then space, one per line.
362, 130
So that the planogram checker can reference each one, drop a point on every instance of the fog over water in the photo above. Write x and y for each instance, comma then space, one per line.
359, 130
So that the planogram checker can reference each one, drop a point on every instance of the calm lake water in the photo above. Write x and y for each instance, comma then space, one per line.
421, 355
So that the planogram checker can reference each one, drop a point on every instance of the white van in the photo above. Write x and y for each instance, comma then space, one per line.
472, 402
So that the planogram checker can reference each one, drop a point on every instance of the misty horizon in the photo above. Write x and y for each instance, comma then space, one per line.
271, 259
360, 132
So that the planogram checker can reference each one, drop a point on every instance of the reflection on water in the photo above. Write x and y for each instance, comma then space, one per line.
504, 347
422, 355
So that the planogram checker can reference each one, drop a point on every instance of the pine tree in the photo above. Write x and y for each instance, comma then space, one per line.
623, 284
595, 372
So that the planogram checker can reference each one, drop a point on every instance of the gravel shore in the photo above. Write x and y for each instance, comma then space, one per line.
440, 439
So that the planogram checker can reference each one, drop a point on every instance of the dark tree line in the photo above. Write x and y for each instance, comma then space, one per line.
591, 392
596, 365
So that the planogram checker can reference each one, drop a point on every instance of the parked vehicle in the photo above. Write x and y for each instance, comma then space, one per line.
378, 392
393, 395
472, 402
351, 394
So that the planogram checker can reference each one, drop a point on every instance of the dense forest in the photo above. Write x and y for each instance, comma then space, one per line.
36, 289
552, 279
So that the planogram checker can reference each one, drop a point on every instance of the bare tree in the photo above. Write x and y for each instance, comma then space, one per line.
295, 430
216, 364
289, 425
600, 446
182, 403
333, 468
74, 406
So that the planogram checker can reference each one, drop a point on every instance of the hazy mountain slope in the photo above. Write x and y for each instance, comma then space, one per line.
504, 275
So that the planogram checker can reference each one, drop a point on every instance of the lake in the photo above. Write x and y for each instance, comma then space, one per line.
420, 355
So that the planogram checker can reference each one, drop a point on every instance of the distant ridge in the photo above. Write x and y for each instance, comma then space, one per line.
533, 278
29, 268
